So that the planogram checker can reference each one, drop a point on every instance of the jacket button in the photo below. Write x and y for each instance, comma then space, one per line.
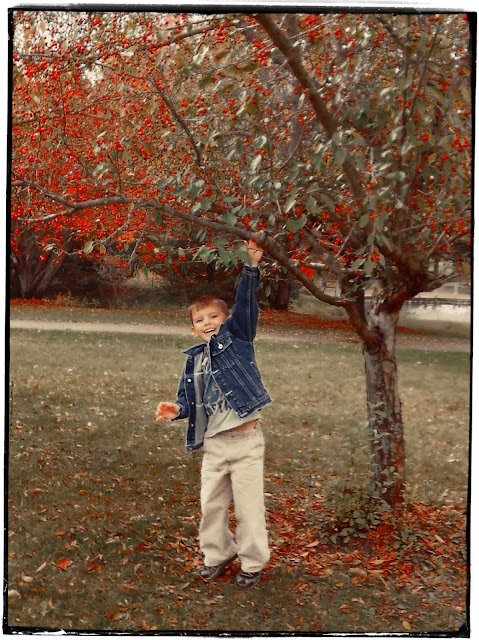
220, 346
189, 380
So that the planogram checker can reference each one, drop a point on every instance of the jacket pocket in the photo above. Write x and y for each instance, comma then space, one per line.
224, 354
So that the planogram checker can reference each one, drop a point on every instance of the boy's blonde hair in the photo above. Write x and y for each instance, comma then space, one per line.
207, 301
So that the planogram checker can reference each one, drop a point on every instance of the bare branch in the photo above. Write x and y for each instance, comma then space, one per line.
179, 119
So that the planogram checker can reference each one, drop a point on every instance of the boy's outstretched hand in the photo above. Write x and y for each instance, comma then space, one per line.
167, 411
255, 251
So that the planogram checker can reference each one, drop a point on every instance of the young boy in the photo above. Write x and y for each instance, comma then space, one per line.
221, 393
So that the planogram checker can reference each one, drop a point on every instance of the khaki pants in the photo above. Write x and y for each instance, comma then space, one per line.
232, 469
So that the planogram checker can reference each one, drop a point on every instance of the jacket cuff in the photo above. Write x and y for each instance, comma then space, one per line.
250, 270
182, 413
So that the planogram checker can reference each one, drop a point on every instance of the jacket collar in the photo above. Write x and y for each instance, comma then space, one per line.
194, 351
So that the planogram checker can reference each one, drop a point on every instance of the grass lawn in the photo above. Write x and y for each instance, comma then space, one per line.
103, 501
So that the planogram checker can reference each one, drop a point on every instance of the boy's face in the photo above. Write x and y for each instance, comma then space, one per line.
207, 321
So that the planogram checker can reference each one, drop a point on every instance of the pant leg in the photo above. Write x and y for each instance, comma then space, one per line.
216, 540
247, 477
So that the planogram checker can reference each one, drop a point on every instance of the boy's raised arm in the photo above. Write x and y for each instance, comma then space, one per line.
255, 252
245, 313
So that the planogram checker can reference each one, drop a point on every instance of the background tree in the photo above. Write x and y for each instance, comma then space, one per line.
340, 142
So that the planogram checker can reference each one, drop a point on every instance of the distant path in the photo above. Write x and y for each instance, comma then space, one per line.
406, 341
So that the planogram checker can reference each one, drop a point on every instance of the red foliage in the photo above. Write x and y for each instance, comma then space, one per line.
273, 318
380, 555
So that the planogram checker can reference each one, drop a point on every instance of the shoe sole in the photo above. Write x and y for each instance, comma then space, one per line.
248, 586
219, 572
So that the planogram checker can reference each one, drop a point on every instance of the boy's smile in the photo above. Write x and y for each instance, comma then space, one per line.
207, 321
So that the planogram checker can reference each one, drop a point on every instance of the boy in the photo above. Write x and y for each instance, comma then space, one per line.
221, 393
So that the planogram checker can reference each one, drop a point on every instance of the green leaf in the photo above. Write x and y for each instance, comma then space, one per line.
357, 263
205, 81
368, 267
206, 204
404, 83
240, 251
194, 191
411, 129
205, 254
340, 154
88, 247
165, 182
296, 225
261, 142
230, 218
289, 204
421, 106
328, 202
434, 93
318, 156
364, 220
255, 162
312, 205
227, 257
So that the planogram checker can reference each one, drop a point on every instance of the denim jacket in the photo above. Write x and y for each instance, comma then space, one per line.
233, 364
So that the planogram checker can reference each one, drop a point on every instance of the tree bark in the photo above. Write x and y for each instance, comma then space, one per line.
384, 408
280, 295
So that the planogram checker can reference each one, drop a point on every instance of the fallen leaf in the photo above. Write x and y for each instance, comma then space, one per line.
146, 627
95, 567
64, 563
406, 625
357, 571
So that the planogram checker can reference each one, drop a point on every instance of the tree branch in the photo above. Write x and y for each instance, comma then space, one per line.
179, 119
271, 246
330, 126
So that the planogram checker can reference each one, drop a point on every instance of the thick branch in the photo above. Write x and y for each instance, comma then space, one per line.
292, 55
71, 207
272, 246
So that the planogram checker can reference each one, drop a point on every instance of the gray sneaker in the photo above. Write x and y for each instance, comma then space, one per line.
246, 580
210, 573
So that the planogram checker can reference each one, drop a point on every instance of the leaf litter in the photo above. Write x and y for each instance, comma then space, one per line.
103, 535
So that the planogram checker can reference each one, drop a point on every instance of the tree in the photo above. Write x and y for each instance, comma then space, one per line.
340, 142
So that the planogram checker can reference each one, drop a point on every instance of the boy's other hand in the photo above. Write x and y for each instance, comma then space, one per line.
255, 251
167, 411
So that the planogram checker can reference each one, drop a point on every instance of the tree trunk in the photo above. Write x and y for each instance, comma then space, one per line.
280, 293
30, 276
384, 408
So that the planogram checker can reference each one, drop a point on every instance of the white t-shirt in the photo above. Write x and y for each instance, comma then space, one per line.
221, 415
